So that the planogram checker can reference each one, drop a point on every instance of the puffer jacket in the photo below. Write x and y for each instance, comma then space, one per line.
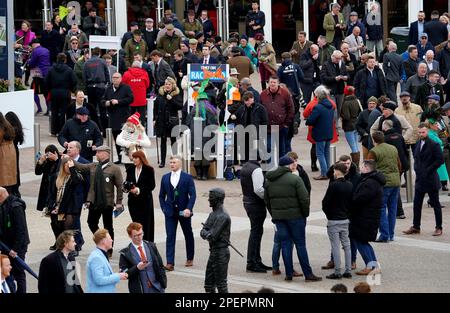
285, 195
321, 118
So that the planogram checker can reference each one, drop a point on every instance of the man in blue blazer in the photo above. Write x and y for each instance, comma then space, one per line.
416, 28
100, 277
73, 151
177, 198
206, 56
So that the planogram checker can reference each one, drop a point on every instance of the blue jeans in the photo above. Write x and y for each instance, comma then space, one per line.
276, 251
283, 141
352, 140
387, 220
293, 230
366, 251
323, 155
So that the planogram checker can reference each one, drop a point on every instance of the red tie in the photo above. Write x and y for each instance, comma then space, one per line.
141, 253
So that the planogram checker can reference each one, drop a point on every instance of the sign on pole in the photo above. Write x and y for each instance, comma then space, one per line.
216, 73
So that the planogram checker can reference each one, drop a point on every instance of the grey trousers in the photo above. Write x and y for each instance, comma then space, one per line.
338, 234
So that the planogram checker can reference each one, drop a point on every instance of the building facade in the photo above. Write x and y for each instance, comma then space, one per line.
284, 18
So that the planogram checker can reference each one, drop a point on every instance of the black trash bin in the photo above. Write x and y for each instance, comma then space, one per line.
400, 36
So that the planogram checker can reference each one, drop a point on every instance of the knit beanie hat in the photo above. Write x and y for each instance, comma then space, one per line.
349, 90
134, 119
285, 160
372, 99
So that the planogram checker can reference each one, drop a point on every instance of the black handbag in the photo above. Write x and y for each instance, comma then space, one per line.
173, 121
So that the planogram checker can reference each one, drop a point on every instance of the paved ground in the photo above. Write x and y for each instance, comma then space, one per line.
409, 264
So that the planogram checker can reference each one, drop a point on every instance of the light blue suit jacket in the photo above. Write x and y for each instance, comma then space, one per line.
100, 277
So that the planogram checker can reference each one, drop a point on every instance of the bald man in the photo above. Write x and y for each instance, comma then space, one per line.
14, 234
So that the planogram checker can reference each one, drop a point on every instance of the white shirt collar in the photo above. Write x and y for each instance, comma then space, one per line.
176, 172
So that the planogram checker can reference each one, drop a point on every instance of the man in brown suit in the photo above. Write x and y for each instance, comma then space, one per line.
104, 176
241, 63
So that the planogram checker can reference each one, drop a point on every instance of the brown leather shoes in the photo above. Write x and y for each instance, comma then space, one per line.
328, 266
169, 267
276, 272
411, 231
364, 272
437, 232
353, 265
297, 274
189, 263
320, 178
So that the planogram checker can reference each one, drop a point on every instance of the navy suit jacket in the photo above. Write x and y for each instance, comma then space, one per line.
413, 35
211, 60
186, 195
11, 284
426, 163
84, 187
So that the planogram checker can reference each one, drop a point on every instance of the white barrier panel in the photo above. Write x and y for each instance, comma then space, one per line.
21, 103
106, 42
150, 132
220, 157
185, 150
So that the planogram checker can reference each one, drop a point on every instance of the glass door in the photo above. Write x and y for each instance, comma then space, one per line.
287, 21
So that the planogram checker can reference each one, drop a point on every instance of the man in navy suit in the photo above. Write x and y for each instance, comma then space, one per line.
428, 158
416, 28
73, 151
207, 58
177, 198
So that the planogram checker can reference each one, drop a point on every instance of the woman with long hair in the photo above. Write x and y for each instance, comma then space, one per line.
19, 138
47, 166
139, 184
66, 197
8, 172
167, 104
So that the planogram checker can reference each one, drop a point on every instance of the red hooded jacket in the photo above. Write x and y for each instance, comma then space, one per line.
138, 80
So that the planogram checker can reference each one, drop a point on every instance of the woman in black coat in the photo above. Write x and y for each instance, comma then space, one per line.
47, 166
165, 113
66, 197
365, 215
140, 199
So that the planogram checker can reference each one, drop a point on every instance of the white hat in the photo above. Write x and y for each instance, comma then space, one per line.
234, 71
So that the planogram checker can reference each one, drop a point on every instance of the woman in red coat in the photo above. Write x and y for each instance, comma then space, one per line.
306, 113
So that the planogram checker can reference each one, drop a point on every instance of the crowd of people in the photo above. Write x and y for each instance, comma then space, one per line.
346, 84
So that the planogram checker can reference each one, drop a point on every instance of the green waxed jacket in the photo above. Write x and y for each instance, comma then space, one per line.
286, 195
386, 157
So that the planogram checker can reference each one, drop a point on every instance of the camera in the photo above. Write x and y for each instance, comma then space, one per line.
127, 186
